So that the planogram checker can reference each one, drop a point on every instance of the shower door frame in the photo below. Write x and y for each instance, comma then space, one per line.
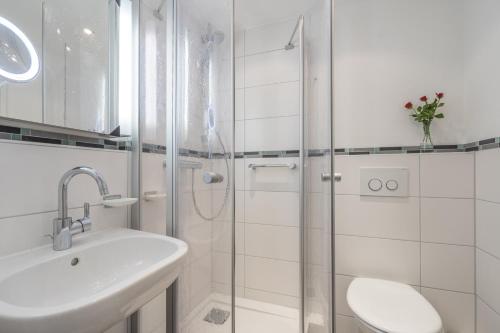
171, 162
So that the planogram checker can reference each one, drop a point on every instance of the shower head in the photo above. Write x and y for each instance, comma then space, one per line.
215, 37
157, 12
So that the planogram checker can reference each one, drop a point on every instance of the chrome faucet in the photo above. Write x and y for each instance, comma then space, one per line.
64, 228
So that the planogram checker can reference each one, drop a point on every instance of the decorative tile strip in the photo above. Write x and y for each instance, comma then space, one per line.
154, 149
32, 135
57, 138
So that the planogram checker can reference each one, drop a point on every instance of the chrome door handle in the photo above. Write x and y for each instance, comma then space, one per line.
326, 176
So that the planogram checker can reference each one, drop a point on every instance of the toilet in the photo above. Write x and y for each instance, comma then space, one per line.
382, 306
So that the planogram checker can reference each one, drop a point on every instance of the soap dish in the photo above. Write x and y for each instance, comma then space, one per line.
112, 201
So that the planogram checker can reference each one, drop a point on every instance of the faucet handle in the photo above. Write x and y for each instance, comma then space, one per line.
86, 210
84, 224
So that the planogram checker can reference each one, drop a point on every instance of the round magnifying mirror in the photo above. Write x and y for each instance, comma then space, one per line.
18, 58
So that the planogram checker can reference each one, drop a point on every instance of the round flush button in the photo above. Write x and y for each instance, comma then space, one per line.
375, 184
392, 185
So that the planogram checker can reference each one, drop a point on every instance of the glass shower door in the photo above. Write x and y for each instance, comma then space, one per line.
318, 171
203, 163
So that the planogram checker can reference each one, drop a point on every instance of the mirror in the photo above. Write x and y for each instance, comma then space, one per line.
76, 83
18, 59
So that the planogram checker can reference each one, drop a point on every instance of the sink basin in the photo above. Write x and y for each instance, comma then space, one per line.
105, 277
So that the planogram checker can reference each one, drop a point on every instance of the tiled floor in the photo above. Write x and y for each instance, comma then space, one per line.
251, 317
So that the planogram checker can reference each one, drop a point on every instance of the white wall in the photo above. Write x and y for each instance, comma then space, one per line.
488, 240
28, 203
387, 52
425, 240
482, 69
267, 108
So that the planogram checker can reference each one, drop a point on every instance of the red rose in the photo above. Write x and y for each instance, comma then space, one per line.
423, 98
440, 95
409, 105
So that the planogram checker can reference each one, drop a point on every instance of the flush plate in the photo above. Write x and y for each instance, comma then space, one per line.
384, 182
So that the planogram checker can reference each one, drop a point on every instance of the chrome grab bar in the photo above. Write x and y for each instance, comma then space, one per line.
184, 164
290, 166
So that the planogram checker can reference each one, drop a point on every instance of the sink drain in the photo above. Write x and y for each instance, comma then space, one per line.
75, 261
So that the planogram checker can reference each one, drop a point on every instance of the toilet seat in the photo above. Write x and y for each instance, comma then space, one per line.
392, 307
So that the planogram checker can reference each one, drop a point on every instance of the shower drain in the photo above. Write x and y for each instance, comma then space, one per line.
217, 316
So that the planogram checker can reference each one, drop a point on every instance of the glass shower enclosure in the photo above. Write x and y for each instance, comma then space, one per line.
249, 146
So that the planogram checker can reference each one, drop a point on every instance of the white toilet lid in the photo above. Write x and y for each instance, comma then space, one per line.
392, 307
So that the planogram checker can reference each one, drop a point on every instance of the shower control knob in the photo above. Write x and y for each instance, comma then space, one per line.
392, 185
210, 177
375, 184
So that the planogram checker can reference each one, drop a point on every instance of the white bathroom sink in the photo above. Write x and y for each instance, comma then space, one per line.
101, 280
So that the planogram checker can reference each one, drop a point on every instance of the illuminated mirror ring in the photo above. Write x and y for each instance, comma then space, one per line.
34, 65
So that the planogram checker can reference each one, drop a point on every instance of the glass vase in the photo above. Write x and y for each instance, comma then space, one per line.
427, 140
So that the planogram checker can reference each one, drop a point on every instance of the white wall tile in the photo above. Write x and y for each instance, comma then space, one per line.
271, 179
239, 97
487, 320
487, 176
382, 217
448, 175
342, 283
199, 239
275, 208
448, 267
345, 324
200, 284
239, 43
488, 227
272, 134
271, 67
487, 273
448, 220
268, 37
349, 166
32, 173
318, 247
275, 276
276, 100
154, 179
456, 309
239, 73
222, 237
378, 258
239, 177
222, 268
28, 231
239, 128
273, 242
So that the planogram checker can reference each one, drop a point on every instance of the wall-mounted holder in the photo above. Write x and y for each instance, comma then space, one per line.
290, 166
154, 196
116, 200
184, 164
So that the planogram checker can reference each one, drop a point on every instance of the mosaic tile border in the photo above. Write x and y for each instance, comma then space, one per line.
32, 135
154, 149
491, 143
56, 138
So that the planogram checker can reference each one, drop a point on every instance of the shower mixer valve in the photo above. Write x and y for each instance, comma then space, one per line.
210, 177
